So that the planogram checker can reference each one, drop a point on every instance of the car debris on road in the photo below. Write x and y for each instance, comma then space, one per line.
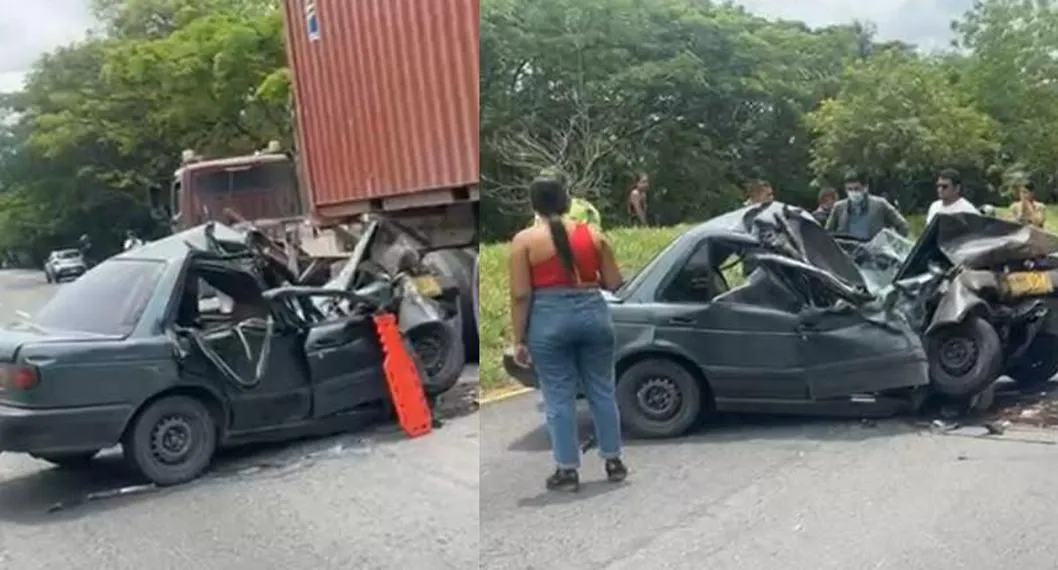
134, 353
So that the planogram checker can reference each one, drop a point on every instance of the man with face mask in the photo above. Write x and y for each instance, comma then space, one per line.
862, 215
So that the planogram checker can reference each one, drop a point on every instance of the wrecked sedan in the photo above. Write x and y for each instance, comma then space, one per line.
134, 354
980, 290
801, 333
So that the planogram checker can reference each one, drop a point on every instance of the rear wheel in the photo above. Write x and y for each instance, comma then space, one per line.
658, 398
172, 440
67, 460
964, 358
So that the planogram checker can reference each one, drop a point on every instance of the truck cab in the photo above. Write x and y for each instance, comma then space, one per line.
258, 187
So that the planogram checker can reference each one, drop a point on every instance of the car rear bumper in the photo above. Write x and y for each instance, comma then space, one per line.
64, 272
61, 429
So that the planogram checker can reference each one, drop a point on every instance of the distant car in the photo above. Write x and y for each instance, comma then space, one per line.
64, 264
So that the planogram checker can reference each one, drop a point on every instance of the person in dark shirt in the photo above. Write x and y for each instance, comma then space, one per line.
861, 215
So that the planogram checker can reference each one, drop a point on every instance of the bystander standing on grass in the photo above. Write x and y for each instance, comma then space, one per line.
1026, 209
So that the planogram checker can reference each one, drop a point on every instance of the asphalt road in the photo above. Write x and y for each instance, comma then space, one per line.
365, 501
775, 493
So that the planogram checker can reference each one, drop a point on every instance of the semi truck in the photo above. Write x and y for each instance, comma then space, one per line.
385, 114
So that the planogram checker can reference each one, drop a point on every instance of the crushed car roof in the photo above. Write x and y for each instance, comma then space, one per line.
785, 229
175, 247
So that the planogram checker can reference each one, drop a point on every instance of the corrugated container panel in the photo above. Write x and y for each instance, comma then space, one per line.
386, 96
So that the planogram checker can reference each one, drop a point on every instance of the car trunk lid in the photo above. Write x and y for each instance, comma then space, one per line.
15, 336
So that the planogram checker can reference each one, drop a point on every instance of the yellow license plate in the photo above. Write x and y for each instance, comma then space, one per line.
427, 285
1029, 284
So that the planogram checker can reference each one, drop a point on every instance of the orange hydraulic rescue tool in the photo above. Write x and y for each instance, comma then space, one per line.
405, 385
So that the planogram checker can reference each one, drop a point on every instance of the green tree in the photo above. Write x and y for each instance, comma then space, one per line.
898, 119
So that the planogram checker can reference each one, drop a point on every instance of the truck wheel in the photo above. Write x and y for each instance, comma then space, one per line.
67, 460
1039, 363
458, 265
658, 398
964, 358
171, 441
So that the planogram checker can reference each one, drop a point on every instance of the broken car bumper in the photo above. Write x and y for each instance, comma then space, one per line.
524, 375
55, 430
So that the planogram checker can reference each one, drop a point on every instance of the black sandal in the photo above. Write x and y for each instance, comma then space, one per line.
564, 480
616, 471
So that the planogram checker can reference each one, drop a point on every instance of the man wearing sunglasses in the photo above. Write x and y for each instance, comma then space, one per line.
949, 196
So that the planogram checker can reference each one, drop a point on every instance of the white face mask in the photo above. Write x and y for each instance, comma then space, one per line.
857, 196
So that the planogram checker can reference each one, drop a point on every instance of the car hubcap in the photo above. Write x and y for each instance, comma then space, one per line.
659, 398
171, 439
958, 355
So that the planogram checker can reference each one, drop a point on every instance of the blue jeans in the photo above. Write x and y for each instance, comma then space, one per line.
571, 341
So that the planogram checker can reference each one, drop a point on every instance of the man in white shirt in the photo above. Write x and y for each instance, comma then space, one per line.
949, 196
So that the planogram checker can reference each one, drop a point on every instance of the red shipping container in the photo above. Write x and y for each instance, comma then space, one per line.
386, 96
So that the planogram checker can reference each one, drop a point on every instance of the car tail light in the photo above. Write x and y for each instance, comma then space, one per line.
18, 377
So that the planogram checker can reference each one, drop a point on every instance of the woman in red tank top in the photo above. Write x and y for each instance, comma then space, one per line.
562, 327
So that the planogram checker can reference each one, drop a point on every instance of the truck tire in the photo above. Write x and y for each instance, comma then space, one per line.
477, 286
964, 358
458, 265
1039, 363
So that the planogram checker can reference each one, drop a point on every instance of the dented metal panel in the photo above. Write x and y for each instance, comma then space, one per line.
386, 97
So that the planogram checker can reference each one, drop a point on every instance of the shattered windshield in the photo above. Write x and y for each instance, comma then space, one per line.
93, 304
880, 258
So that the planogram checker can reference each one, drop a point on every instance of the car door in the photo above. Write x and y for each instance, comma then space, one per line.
283, 393
850, 350
744, 337
345, 361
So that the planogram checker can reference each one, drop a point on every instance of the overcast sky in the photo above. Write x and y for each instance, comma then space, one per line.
29, 28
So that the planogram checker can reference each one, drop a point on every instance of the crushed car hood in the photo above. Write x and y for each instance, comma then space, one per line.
976, 242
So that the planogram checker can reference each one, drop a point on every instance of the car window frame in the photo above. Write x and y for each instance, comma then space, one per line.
674, 270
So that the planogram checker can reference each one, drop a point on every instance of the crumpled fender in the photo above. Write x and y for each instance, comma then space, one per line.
955, 304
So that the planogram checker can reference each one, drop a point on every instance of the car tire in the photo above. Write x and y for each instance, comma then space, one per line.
658, 398
194, 440
964, 358
432, 348
47, 276
1039, 363
67, 460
